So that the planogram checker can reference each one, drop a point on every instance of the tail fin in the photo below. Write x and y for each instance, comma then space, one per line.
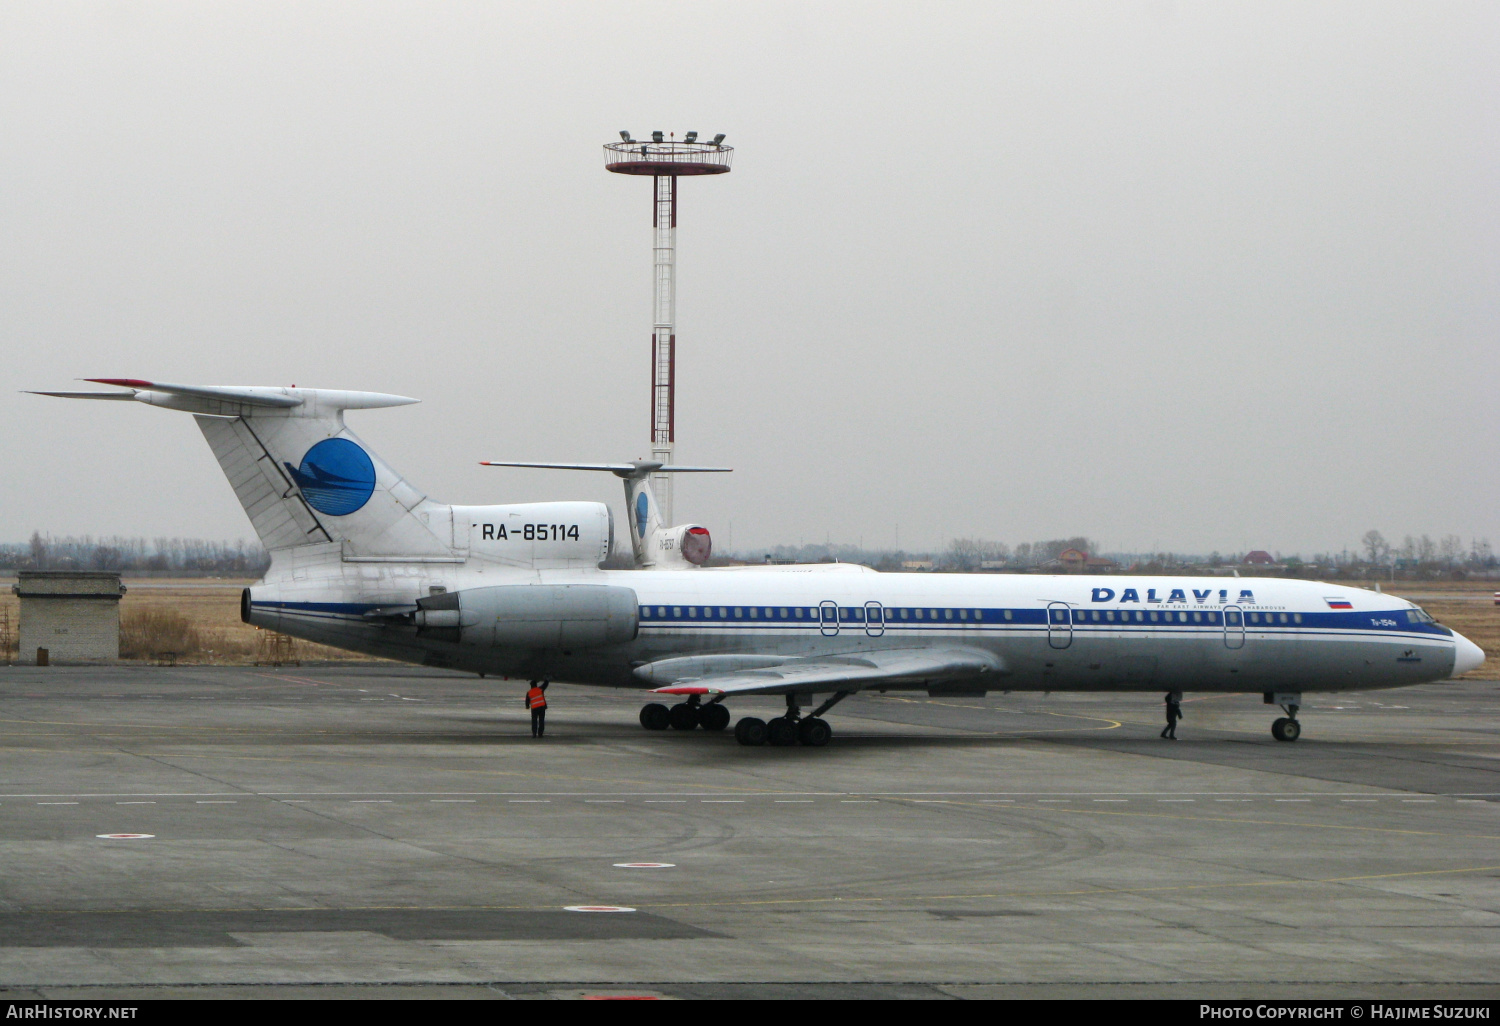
302, 476
655, 544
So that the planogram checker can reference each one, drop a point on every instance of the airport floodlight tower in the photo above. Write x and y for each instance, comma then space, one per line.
664, 160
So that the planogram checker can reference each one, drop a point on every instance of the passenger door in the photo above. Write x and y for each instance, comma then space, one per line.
1059, 625
1234, 627
874, 619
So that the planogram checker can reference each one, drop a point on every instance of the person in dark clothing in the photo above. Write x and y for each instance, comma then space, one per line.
536, 701
1174, 713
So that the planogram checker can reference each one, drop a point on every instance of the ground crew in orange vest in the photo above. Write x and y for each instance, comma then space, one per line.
536, 701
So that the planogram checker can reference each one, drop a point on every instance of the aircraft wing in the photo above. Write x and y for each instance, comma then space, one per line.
915, 667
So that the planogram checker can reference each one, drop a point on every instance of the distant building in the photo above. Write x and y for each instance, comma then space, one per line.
993, 564
1076, 561
73, 615
916, 564
1259, 558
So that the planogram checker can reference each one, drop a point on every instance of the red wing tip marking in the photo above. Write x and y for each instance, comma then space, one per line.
122, 382
686, 690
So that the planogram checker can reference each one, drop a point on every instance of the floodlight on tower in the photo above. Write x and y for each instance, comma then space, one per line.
664, 161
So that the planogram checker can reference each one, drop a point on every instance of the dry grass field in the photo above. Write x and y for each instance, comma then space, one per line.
193, 620
198, 621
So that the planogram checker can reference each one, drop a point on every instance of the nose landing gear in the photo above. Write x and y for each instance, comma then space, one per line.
1285, 728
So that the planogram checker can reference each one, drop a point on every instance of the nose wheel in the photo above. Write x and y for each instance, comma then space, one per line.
1285, 728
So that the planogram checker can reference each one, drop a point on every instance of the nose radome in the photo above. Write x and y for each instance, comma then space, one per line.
1466, 655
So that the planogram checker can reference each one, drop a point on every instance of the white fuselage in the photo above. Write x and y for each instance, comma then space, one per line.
1048, 632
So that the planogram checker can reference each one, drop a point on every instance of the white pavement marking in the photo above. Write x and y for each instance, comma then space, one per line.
645, 865
1371, 800
529, 801
125, 837
666, 801
369, 801
1294, 799
452, 801
1418, 801
858, 801
135, 803
723, 801
1111, 799
1176, 799
598, 908
215, 803
57, 803
605, 801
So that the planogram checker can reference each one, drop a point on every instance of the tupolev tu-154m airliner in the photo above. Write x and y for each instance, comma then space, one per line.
362, 560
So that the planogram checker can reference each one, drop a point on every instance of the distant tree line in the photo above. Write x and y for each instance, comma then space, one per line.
135, 555
1414, 557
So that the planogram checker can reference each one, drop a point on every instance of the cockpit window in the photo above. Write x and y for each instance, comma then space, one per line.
1416, 614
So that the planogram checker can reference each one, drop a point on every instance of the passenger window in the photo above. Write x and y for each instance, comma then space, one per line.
739, 612
1182, 618
1008, 614
1153, 616
1109, 614
1296, 617
754, 613
783, 614
1140, 617
932, 613
963, 614
723, 613
979, 614
677, 612
919, 614
904, 613
1232, 617
1096, 616
1197, 617
661, 611
693, 611
1283, 618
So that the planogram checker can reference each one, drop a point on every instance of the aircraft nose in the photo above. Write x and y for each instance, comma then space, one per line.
1466, 655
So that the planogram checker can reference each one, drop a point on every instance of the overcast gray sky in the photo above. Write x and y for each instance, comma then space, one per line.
1195, 276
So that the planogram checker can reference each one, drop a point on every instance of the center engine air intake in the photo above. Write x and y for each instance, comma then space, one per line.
530, 616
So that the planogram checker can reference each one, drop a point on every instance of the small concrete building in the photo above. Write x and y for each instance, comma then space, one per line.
74, 615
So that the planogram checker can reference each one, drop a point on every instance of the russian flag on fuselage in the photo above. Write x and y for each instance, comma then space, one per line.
1338, 603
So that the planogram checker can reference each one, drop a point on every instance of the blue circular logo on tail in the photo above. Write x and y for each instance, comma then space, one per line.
642, 513
337, 477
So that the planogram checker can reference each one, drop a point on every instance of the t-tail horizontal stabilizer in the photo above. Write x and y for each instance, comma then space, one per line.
302, 476
655, 544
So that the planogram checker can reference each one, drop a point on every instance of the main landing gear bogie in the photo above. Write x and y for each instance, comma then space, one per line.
684, 716
791, 729
1286, 729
